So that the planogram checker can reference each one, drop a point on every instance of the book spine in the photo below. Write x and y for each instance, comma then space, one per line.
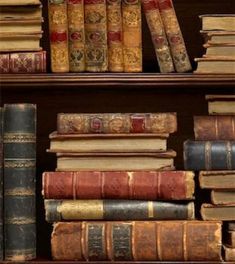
76, 35
67, 210
132, 35
174, 36
137, 240
116, 123
165, 185
115, 38
19, 181
214, 127
58, 29
23, 62
159, 39
1, 183
96, 47
209, 155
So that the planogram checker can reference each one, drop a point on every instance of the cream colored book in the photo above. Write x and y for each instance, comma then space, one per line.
221, 104
225, 50
218, 22
19, 2
21, 26
218, 37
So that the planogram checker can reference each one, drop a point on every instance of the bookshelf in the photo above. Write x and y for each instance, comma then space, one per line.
149, 91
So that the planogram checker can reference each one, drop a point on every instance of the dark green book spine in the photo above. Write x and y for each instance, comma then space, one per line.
19, 137
1, 183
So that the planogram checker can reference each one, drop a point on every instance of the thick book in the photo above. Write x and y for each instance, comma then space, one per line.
107, 142
20, 12
218, 37
23, 62
71, 210
1, 184
159, 39
221, 197
139, 185
115, 161
96, 46
76, 35
217, 180
137, 240
229, 238
174, 36
219, 50
221, 104
221, 127
21, 26
132, 35
224, 22
58, 33
114, 123
209, 155
19, 181
115, 36
229, 253
218, 212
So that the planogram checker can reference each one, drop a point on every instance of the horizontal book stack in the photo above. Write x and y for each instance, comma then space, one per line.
219, 34
229, 242
100, 36
20, 34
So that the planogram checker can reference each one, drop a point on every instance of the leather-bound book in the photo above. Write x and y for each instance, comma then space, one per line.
218, 212
96, 47
58, 29
1, 183
70, 210
221, 197
159, 39
209, 155
115, 37
19, 2
23, 62
21, 26
76, 36
229, 253
142, 185
174, 36
214, 127
137, 240
19, 181
132, 35
115, 123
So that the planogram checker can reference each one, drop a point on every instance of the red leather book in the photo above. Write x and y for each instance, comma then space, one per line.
23, 62
143, 185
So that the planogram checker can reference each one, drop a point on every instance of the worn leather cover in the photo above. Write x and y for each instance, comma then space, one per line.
19, 181
214, 127
137, 240
209, 155
143, 185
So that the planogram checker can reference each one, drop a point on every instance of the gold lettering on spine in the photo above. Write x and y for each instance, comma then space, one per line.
208, 155
150, 209
19, 192
81, 209
185, 241
229, 155
19, 138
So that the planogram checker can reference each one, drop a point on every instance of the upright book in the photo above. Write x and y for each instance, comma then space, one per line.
19, 181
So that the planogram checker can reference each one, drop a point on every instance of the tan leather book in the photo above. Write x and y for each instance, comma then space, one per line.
132, 35
137, 240
229, 253
214, 37
224, 22
20, 12
19, 2
58, 29
218, 212
223, 50
221, 197
115, 161
19, 26
221, 104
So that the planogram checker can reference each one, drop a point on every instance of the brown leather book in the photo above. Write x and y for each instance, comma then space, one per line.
229, 253
142, 185
218, 212
214, 127
115, 123
137, 240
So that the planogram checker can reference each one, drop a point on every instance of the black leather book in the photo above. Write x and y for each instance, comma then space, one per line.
1, 183
19, 144
209, 155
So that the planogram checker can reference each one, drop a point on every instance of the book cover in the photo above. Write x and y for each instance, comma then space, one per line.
217, 212
218, 22
223, 197
19, 2
21, 26
19, 181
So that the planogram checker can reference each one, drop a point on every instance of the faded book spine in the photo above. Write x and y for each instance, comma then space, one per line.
96, 47
174, 36
132, 35
23, 62
159, 39
115, 38
69, 210
117, 123
214, 127
209, 155
19, 181
1, 183
58, 29
143, 185
76, 35
137, 240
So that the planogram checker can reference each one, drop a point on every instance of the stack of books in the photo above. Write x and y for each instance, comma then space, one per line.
20, 34
100, 36
219, 35
229, 242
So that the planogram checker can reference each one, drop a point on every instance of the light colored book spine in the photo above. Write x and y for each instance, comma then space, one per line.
76, 35
115, 38
132, 36
174, 36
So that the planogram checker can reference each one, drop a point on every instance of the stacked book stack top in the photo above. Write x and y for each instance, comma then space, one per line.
20, 34
218, 31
